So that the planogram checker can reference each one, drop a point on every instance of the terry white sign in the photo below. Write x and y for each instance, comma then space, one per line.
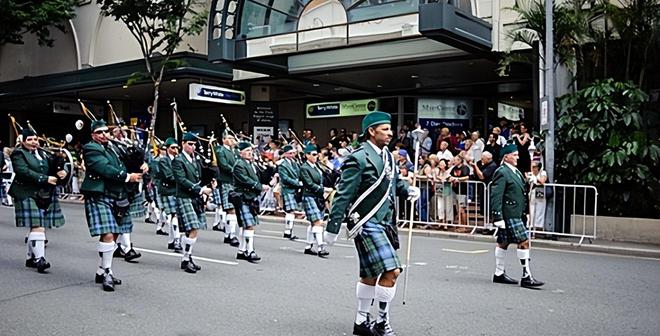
444, 108
215, 94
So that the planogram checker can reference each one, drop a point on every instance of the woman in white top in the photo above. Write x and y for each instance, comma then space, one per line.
537, 179
445, 200
477, 145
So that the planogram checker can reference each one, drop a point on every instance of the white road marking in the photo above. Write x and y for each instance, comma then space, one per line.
420, 264
171, 254
466, 251
297, 240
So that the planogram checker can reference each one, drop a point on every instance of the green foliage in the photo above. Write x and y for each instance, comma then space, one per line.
605, 142
20, 17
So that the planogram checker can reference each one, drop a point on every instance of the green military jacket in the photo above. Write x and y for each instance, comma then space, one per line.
105, 173
312, 180
226, 161
246, 180
167, 183
153, 169
31, 173
361, 170
289, 172
188, 176
508, 197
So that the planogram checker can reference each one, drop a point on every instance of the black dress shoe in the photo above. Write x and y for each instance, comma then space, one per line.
504, 279
362, 329
42, 265
218, 228
30, 263
100, 277
309, 251
290, 236
253, 257
323, 253
188, 267
197, 267
382, 329
108, 283
131, 254
148, 220
119, 253
529, 282
241, 255
161, 233
234, 242
176, 246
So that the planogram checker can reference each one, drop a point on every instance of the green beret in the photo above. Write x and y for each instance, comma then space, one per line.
508, 149
310, 149
287, 148
170, 141
243, 145
96, 124
26, 132
374, 119
189, 137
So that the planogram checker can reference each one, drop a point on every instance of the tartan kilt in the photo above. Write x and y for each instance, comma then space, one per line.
153, 195
101, 219
312, 210
3, 191
515, 232
168, 204
225, 188
375, 251
29, 215
290, 203
188, 218
246, 216
138, 210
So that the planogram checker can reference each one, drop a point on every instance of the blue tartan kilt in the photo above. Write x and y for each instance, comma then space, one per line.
246, 216
168, 204
188, 218
154, 195
312, 210
225, 188
29, 215
515, 232
375, 251
290, 203
101, 219
138, 210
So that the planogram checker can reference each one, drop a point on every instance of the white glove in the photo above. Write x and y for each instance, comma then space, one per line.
500, 224
413, 193
330, 238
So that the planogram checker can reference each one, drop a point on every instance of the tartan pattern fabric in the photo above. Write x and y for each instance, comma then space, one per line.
101, 219
29, 215
3, 191
168, 204
514, 232
246, 216
290, 203
138, 210
375, 251
225, 188
312, 210
216, 195
188, 218
156, 197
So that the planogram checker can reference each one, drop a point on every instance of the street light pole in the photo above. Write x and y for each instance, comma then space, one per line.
549, 93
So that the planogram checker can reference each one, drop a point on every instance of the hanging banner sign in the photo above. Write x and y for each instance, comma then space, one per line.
349, 108
448, 109
215, 94
510, 112
263, 122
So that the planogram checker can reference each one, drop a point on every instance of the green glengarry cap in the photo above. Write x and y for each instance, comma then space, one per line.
288, 148
310, 149
100, 123
374, 119
243, 145
26, 132
508, 149
189, 137
170, 141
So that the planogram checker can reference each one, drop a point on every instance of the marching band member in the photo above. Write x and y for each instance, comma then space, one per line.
226, 156
289, 172
313, 202
167, 190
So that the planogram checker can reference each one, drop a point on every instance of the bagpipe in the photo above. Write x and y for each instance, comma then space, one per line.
265, 171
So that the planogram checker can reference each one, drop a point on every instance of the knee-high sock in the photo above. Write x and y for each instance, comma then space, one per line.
249, 240
36, 239
317, 232
230, 228
310, 236
29, 254
500, 253
170, 228
365, 296
187, 246
523, 255
174, 224
159, 222
241, 239
384, 295
220, 217
124, 241
105, 256
288, 222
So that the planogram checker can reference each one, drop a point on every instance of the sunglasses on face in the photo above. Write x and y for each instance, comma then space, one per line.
191, 143
101, 131
314, 154
174, 147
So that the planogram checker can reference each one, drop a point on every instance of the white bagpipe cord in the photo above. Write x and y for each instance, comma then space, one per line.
410, 225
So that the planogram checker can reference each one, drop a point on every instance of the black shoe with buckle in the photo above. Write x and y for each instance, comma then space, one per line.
108, 282
382, 329
363, 329
241, 255
100, 277
218, 228
290, 236
131, 254
188, 267
160, 232
323, 253
309, 251
149, 220
253, 257
233, 242
176, 246
42, 265
529, 282
30, 263
504, 279
119, 252
197, 267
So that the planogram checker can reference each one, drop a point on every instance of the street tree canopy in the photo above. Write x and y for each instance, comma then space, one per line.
20, 17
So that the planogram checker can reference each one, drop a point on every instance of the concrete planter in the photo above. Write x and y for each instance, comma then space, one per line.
637, 230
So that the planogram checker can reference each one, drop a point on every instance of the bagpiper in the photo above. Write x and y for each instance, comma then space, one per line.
246, 201
365, 199
226, 156
35, 200
508, 203
154, 208
167, 190
190, 206
106, 199
313, 202
289, 172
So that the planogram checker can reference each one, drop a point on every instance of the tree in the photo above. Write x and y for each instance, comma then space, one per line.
159, 28
20, 17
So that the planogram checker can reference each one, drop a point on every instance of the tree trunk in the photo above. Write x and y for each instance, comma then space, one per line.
154, 109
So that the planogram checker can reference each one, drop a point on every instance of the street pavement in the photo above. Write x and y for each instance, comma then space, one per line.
449, 289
